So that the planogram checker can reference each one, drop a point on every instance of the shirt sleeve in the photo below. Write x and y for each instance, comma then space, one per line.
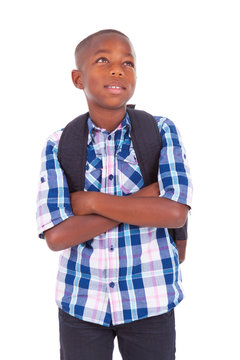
53, 200
174, 174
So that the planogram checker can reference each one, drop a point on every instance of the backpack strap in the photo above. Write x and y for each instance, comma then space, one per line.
147, 143
72, 152
144, 127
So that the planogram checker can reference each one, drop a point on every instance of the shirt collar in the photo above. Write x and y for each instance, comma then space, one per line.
124, 124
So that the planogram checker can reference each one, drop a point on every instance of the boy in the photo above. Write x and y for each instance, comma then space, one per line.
118, 274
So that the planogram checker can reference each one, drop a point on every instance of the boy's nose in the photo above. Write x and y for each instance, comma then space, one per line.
116, 72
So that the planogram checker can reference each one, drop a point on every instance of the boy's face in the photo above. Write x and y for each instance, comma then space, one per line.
106, 72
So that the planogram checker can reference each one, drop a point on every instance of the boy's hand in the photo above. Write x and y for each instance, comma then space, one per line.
181, 246
81, 202
148, 191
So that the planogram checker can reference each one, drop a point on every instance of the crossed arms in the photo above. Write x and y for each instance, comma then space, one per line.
96, 212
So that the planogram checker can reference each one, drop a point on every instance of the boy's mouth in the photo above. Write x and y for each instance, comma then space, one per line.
115, 88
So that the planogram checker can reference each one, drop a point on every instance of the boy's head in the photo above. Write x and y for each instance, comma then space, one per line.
85, 43
105, 69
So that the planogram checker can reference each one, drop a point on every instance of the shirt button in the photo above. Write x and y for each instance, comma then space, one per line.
110, 177
42, 179
112, 284
109, 137
111, 248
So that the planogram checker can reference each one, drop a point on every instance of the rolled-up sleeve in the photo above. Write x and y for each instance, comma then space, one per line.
53, 199
173, 175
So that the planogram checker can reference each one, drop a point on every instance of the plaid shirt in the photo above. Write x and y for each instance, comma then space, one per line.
129, 272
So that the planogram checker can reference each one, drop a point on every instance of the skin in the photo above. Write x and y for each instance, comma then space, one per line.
181, 246
80, 228
108, 61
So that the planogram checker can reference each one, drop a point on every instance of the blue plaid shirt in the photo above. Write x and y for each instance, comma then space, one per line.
129, 272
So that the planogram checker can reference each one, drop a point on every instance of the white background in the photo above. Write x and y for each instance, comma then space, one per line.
188, 70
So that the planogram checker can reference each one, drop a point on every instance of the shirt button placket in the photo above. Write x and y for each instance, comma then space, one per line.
110, 161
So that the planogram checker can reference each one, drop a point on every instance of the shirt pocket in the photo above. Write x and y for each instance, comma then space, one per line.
129, 174
93, 175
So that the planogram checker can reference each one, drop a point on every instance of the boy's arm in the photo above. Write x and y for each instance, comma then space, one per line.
78, 229
140, 211
181, 246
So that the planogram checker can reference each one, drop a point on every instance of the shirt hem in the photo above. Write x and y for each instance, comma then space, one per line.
181, 200
84, 318
51, 224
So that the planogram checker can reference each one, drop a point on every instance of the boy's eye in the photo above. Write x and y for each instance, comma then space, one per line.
102, 60
129, 63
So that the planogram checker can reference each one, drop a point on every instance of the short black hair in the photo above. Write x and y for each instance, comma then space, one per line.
89, 38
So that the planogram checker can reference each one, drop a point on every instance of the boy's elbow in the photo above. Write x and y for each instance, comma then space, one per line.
180, 215
52, 239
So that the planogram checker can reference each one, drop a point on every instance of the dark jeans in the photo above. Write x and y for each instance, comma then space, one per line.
152, 338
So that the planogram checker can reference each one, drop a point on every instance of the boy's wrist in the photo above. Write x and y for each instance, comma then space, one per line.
92, 201
96, 199
82, 202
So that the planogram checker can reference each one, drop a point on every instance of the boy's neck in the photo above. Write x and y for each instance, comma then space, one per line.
106, 118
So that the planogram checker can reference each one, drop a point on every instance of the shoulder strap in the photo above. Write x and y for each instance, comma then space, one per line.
147, 143
72, 152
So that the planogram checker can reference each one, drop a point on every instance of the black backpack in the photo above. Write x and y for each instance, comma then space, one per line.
147, 143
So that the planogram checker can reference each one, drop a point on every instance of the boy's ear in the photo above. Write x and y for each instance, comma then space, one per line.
77, 79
